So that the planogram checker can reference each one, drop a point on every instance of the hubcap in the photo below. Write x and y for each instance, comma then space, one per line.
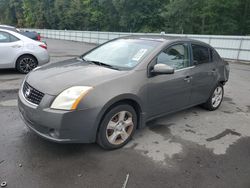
27, 64
217, 97
120, 127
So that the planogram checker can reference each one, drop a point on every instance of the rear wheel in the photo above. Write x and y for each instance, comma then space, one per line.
26, 63
215, 99
117, 127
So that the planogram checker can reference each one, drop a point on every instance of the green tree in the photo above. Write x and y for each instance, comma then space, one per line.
173, 16
11, 12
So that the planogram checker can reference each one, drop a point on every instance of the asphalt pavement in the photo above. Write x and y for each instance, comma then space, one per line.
193, 148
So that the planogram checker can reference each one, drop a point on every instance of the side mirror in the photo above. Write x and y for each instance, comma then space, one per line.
162, 69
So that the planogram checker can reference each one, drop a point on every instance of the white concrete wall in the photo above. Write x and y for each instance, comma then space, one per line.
229, 47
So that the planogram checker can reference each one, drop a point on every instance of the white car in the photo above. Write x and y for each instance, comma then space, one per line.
20, 52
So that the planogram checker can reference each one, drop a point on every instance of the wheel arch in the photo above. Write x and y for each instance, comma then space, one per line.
129, 99
25, 54
222, 82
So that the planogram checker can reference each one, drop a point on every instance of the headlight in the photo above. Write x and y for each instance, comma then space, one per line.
70, 98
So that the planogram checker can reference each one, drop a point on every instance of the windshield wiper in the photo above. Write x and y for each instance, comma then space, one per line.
101, 64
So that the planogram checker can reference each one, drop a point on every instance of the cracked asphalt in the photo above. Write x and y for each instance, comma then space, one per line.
193, 148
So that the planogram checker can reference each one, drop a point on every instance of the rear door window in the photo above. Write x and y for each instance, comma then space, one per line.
215, 56
201, 54
4, 37
13, 38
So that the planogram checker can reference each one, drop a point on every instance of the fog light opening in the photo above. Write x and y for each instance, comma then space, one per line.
54, 133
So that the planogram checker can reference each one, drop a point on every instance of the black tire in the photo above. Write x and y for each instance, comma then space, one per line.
102, 136
26, 63
209, 104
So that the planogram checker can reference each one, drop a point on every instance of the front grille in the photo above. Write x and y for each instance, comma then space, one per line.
31, 94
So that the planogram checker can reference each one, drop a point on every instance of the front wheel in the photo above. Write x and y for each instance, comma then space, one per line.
117, 127
215, 99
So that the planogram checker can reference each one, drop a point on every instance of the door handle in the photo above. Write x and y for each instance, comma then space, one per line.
188, 79
16, 46
213, 70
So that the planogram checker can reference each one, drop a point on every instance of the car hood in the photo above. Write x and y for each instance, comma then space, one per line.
53, 78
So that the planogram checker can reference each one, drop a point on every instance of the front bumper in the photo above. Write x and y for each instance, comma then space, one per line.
57, 125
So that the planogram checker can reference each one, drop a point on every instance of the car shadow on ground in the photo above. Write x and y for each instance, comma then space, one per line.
161, 126
193, 111
31, 140
9, 71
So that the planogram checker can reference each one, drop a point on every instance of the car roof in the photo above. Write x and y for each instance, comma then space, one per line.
6, 26
18, 35
10, 28
166, 39
7, 30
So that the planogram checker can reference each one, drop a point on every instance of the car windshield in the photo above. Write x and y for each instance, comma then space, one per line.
122, 53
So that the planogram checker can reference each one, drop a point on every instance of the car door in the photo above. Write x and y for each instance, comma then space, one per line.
10, 47
170, 92
203, 74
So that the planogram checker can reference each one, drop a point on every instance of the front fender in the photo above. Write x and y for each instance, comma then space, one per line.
117, 100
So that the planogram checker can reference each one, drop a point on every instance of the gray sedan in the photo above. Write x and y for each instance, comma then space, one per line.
113, 90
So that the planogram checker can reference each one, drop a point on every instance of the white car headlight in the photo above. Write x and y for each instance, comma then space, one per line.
70, 98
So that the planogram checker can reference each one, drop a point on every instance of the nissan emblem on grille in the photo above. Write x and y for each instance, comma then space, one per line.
27, 92
31, 94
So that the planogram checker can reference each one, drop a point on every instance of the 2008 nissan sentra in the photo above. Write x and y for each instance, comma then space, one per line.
106, 94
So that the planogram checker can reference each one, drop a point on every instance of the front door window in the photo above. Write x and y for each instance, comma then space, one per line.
176, 56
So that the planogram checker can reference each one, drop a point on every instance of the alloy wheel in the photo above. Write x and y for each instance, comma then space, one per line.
217, 97
27, 64
120, 127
